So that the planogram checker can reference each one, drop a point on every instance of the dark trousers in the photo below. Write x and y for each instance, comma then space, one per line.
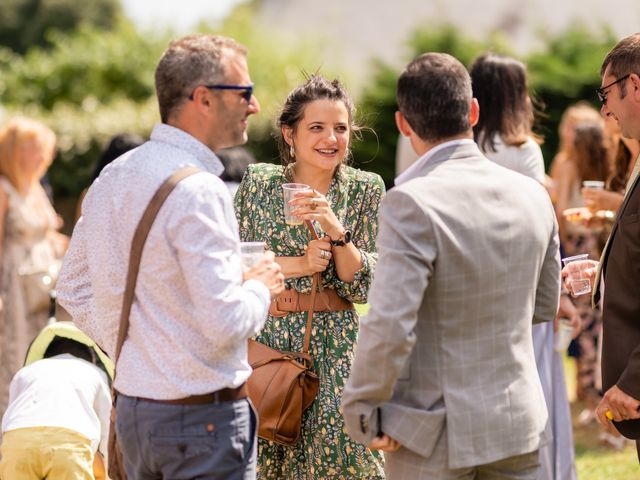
180, 442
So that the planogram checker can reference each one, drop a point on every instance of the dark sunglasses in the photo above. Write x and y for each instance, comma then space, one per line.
602, 95
247, 90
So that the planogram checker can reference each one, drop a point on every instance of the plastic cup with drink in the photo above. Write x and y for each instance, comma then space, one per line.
563, 335
289, 191
251, 252
578, 279
595, 184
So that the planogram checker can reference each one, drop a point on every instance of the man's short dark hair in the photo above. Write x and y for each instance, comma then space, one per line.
434, 95
624, 58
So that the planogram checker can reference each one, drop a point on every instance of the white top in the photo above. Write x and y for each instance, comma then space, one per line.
62, 391
525, 159
418, 165
192, 313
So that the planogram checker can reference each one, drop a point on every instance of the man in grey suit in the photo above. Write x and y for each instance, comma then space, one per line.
444, 377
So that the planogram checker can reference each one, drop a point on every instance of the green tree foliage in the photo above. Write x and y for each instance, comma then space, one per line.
565, 71
26, 23
88, 85
86, 64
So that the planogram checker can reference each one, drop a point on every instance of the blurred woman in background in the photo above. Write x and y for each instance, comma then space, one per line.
31, 246
625, 152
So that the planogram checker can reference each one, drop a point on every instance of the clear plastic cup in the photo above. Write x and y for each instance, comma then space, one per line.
596, 184
289, 191
579, 281
563, 336
252, 252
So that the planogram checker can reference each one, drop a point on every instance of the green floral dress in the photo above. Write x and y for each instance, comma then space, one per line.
325, 451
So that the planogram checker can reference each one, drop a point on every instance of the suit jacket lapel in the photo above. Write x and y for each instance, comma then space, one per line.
631, 183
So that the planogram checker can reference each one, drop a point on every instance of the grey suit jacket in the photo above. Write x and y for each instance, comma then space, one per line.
468, 259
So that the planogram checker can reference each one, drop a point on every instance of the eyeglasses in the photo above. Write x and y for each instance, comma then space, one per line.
602, 95
247, 90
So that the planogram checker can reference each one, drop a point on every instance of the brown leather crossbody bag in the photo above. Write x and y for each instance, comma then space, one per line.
283, 384
115, 460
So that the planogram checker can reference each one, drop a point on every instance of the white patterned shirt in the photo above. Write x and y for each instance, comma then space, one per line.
192, 314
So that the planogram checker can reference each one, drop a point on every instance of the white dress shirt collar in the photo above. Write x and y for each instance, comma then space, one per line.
184, 141
414, 170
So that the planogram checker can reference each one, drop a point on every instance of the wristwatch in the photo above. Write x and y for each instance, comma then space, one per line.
342, 240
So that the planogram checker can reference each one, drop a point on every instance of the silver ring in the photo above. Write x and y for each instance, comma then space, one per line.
324, 255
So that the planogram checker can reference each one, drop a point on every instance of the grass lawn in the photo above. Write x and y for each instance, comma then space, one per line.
594, 459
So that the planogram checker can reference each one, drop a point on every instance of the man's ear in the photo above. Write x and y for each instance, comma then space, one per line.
201, 97
403, 125
634, 80
474, 112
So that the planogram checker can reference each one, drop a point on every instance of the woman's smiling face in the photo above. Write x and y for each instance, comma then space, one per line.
321, 137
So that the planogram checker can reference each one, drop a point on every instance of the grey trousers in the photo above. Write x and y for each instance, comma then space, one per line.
404, 464
186, 442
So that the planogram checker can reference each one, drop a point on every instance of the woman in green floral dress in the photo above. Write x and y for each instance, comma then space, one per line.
316, 128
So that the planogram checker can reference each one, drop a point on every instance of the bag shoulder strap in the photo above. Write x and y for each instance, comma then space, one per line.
139, 239
315, 284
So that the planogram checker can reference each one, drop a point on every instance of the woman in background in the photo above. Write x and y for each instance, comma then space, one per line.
30, 241
316, 127
625, 152
504, 133
581, 112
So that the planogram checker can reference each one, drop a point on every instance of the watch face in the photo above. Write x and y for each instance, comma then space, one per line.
346, 238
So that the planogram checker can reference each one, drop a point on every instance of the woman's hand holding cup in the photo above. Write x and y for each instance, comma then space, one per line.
312, 205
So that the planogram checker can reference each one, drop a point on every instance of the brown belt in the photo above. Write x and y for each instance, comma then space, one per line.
224, 395
291, 300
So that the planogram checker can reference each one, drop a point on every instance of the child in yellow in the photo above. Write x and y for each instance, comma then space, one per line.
58, 414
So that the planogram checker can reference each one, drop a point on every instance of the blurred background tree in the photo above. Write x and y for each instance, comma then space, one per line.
88, 72
26, 23
565, 72
85, 85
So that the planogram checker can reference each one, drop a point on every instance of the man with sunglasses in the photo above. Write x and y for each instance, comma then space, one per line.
182, 408
619, 267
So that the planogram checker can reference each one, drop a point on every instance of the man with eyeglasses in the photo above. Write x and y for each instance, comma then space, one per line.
619, 266
182, 408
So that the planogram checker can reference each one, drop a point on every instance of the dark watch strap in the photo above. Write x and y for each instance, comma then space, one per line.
346, 238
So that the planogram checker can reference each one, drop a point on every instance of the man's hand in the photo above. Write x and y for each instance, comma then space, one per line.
568, 311
268, 272
621, 406
579, 269
384, 443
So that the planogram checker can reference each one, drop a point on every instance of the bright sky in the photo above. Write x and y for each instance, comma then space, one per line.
178, 15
